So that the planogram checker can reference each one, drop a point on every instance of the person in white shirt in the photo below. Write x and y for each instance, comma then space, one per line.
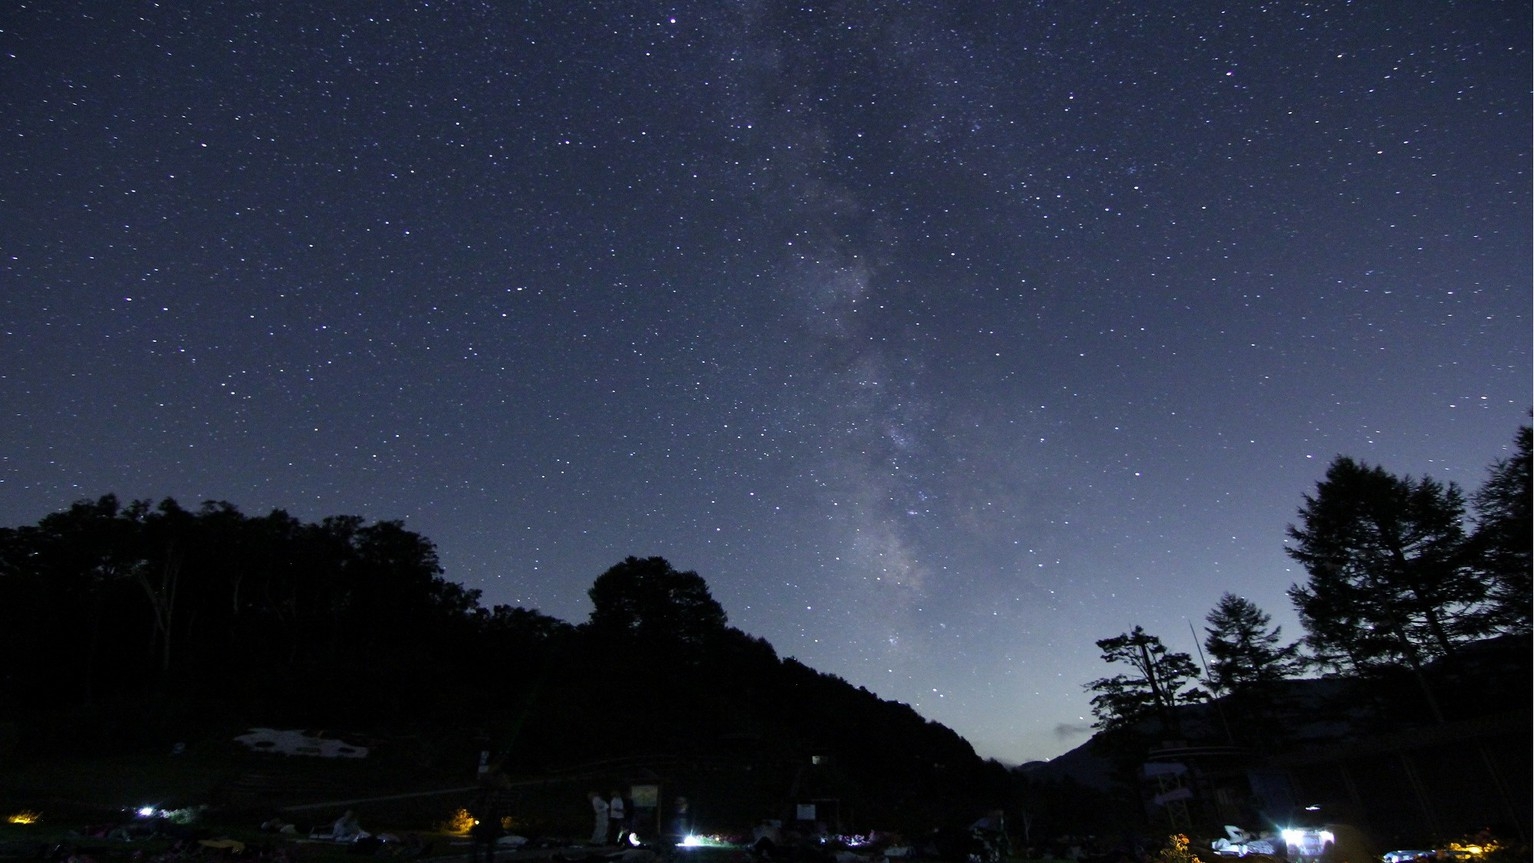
599, 810
617, 817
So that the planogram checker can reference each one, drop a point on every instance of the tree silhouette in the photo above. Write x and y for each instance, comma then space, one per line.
1504, 537
1388, 580
653, 603
212, 594
68, 585
1157, 685
1247, 661
1244, 651
165, 534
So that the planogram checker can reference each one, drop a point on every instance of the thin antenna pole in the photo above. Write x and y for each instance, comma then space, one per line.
1209, 678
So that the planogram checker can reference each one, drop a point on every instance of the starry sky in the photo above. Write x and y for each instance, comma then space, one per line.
941, 338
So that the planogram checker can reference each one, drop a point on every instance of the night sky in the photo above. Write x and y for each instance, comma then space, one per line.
941, 338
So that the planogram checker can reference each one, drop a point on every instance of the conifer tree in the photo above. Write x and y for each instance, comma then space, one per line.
1159, 682
1389, 583
1244, 647
1504, 538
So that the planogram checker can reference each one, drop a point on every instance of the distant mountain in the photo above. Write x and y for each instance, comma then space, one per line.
1080, 765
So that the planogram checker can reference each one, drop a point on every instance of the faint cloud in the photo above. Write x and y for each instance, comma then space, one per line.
1067, 731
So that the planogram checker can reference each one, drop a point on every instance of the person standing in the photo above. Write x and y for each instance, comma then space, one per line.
599, 813
617, 817
490, 809
681, 819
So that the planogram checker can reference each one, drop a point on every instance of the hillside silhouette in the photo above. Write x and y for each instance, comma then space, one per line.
133, 627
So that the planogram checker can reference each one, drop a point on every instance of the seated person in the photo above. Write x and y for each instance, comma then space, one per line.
346, 828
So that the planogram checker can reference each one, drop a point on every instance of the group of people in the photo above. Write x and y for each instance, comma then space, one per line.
611, 818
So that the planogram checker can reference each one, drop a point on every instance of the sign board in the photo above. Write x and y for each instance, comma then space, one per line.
645, 796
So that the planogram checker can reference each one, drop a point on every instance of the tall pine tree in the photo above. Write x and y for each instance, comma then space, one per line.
1244, 648
1504, 537
1389, 583
1159, 682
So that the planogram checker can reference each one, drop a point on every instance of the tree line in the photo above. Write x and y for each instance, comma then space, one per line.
1402, 573
125, 626
109, 600
118, 619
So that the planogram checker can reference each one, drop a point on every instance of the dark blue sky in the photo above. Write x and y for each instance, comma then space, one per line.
941, 339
